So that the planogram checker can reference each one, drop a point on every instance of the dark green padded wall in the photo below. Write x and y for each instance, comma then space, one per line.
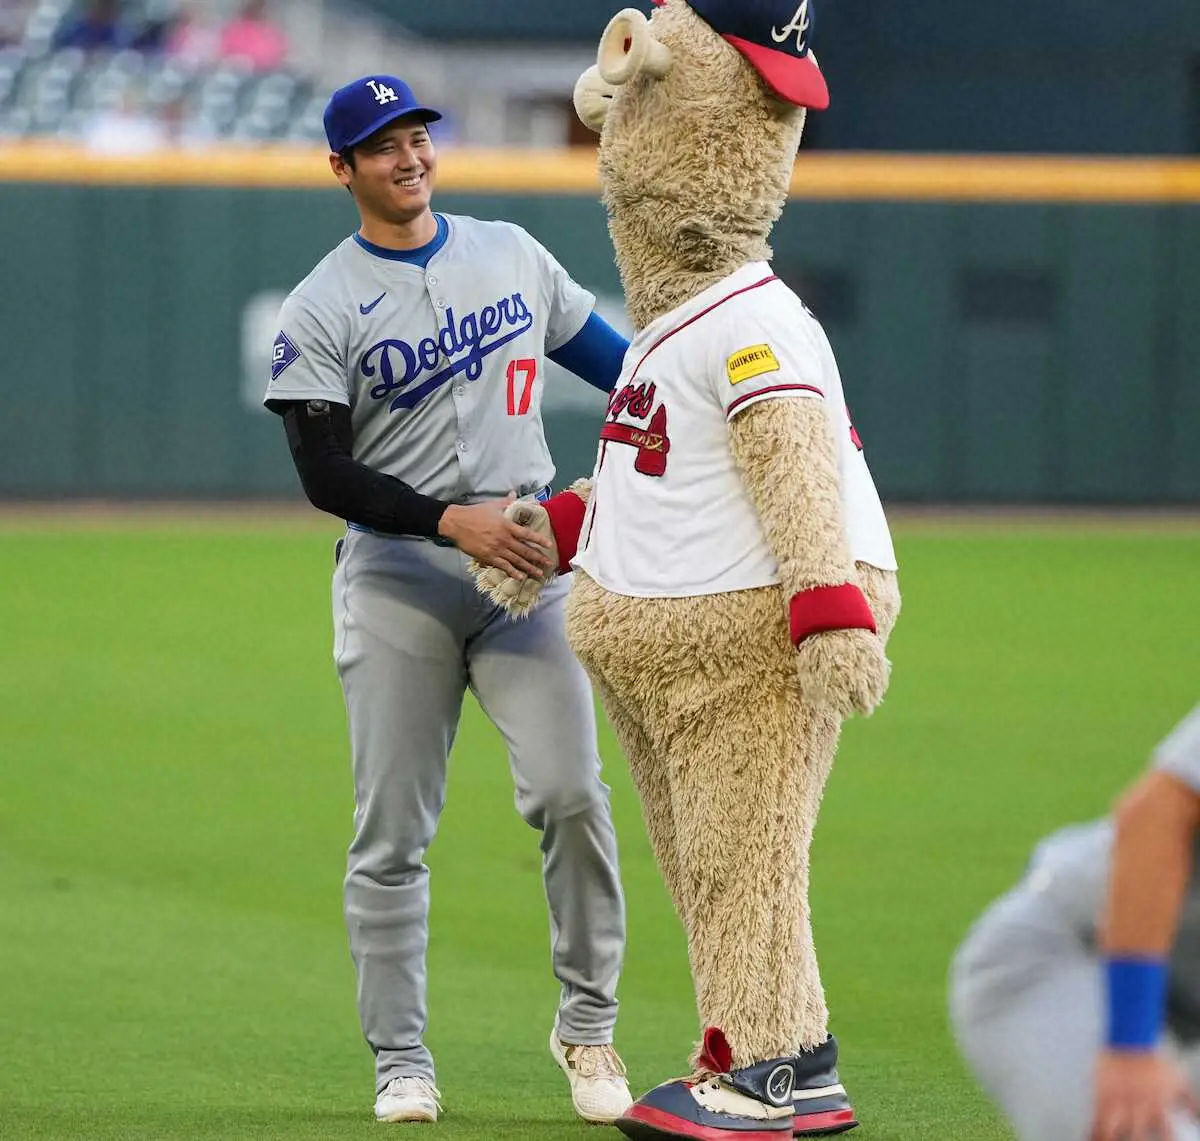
991, 353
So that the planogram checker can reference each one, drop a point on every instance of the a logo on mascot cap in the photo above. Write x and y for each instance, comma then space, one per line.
775, 36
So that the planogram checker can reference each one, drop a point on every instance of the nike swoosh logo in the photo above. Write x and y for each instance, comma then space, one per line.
365, 309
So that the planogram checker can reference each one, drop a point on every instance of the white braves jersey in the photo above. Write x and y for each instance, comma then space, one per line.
669, 514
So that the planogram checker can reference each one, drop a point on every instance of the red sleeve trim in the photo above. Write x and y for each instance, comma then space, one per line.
773, 388
566, 511
823, 608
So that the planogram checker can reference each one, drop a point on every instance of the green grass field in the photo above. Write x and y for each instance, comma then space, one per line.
175, 803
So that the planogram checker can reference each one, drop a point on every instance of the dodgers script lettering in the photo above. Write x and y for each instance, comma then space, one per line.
460, 346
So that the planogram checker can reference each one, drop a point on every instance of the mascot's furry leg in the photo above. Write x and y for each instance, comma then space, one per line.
744, 834
730, 789
652, 779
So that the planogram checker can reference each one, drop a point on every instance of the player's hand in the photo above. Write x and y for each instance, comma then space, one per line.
1135, 1096
486, 533
514, 595
845, 670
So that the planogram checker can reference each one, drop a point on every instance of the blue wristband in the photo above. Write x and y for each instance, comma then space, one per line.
1137, 1001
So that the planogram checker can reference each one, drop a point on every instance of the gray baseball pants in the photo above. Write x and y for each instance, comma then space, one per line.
1026, 1001
411, 634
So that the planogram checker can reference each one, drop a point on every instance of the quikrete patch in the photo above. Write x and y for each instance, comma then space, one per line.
753, 361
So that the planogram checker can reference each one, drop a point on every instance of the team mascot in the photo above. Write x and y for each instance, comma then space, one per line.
734, 576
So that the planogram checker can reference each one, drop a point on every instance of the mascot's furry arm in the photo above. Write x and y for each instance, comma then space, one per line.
787, 457
559, 519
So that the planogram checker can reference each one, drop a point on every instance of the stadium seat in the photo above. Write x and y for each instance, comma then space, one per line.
15, 123
12, 64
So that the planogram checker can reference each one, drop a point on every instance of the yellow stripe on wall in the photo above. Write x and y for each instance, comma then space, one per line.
996, 178
826, 176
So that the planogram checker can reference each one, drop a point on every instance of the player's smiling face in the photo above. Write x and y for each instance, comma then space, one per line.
394, 171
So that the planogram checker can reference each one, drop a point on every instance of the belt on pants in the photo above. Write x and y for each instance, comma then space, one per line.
437, 540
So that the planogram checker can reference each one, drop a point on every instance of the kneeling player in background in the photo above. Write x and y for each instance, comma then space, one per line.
1076, 997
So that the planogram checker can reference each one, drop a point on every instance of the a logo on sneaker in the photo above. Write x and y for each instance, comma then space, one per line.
779, 1084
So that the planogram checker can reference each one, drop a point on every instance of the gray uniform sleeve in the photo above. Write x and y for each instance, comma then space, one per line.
1179, 754
570, 304
1069, 870
307, 358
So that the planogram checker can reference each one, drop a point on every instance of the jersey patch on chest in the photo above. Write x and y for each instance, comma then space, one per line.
751, 362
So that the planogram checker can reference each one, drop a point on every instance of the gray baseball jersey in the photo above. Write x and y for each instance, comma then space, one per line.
1071, 869
442, 367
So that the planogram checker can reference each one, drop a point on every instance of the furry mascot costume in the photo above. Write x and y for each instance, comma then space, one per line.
735, 579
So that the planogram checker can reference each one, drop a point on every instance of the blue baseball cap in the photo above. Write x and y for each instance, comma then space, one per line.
360, 108
774, 36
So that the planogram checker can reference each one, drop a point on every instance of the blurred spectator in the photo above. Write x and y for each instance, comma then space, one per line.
254, 39
125, 130
159, 18
183, 130
12, 22
98, 28
191, 39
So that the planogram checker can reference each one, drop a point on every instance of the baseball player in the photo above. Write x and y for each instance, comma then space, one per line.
1076, 998
408, 372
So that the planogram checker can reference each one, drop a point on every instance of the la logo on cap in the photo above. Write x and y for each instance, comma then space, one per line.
800, 25
384, 94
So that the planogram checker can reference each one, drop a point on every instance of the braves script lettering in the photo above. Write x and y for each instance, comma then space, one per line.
460, 346
636, 399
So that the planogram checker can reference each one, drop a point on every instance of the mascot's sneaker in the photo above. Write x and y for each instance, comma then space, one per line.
599, 1090
708, 1110
718, 1103
819, 1099
411, 1098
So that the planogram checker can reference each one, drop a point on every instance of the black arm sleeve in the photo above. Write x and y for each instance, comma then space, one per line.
320, 438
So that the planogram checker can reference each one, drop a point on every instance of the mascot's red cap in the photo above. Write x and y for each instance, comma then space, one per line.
774, 35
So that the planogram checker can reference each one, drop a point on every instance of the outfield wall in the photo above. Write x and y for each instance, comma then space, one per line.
1008, 330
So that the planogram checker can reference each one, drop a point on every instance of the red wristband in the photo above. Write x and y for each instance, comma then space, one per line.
829, 608
566, 511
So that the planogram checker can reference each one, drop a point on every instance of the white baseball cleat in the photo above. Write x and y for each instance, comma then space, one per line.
599, 1090
412, 1098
